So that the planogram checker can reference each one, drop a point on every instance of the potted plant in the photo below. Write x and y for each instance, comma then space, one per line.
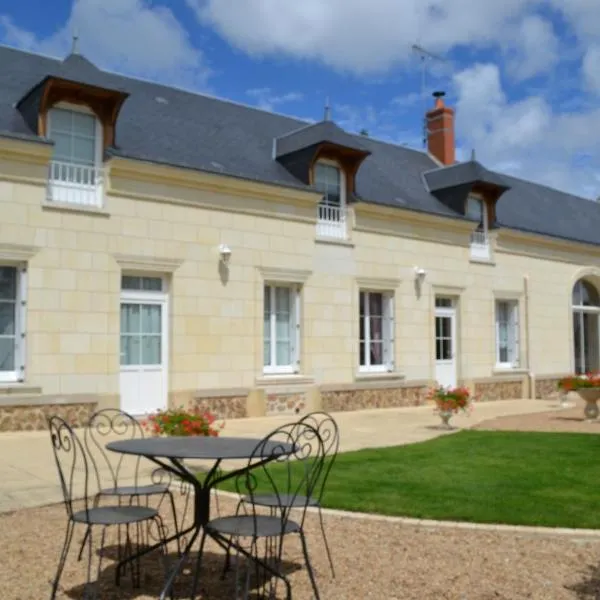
587, 387
182, 422
449, 401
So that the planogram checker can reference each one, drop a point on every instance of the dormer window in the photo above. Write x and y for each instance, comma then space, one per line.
76, 173
476, 209
329, 179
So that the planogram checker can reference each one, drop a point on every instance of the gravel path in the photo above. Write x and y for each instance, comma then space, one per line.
378, 559
562, 419
374, 559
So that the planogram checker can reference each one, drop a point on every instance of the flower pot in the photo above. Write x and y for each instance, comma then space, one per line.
591, 397
446, 415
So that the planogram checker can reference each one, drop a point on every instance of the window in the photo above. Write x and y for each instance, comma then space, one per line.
376, 331
476, 210
75, 136
141, 283
12, 324
507, 333
586, 327
76, 175
329, 180
281, 329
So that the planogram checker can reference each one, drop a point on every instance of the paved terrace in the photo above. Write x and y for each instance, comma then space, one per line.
29, 477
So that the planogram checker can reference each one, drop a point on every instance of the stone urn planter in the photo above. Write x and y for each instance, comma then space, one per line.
591, 396
588, 388
445, 416
449, 401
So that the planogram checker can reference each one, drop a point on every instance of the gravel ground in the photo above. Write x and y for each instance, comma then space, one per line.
562, 419
379, 559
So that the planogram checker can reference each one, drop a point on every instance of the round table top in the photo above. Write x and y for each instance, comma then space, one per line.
198, 447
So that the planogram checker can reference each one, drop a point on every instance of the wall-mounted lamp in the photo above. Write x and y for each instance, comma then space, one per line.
420, 273
225, 253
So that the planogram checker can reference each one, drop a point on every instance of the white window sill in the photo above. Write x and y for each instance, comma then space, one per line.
509, 369
378, 376
276, 379
320, 239
73, 207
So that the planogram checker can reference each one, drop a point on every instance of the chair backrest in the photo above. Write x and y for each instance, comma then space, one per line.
72, 464
329, 432
106, 426
285, 465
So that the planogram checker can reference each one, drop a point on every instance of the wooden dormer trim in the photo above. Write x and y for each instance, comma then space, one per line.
348, 160
489, 195
104, 103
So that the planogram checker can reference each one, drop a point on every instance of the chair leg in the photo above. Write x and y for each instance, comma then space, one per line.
326, 543
162, 534
198, 565
175, 524
91, 588
85, 537
63, 557
309, 568
227, 564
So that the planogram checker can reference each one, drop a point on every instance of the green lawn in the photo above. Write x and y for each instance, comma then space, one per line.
549, 479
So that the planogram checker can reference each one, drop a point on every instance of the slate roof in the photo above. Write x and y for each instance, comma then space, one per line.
172, 126
463, 173
324, 131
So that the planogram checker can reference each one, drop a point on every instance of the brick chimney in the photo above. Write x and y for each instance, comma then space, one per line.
440, 130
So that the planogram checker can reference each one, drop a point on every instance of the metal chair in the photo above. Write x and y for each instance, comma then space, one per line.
285, 465
329, 433
115, 423
74, 473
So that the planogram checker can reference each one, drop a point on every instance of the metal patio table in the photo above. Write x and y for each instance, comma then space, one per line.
170, 452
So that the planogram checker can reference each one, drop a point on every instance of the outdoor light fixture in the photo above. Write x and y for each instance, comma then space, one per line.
420, 273
225, 252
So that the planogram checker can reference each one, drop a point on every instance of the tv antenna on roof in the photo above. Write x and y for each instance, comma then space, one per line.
425, 56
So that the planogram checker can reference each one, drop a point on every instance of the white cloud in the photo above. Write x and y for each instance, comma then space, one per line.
591, 68
535, 48
526, 138
129, 36
268, 100
358, 36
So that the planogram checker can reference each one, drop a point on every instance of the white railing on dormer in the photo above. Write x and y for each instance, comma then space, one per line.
480, 245
331, 222
79, 185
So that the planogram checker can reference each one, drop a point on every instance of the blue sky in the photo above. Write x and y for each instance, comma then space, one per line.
524, 75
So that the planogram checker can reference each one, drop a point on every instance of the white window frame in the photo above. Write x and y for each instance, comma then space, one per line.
294, 367
18, 374
333, 163
513, 309
387, 330
77, 108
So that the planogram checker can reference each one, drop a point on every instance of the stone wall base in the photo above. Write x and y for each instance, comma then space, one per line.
34, 417
546, 387
224, 404
376, 397
499, 390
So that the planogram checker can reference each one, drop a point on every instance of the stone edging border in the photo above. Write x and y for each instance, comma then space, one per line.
560, 531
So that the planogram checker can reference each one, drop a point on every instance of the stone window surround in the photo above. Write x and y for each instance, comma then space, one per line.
274, 276
17, 255
520, 367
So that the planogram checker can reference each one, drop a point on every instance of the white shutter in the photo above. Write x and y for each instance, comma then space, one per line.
295, 315
21, 354
389, 331
498, 318
515, 328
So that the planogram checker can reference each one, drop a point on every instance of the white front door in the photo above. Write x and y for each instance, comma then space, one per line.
445, 342
143, 379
